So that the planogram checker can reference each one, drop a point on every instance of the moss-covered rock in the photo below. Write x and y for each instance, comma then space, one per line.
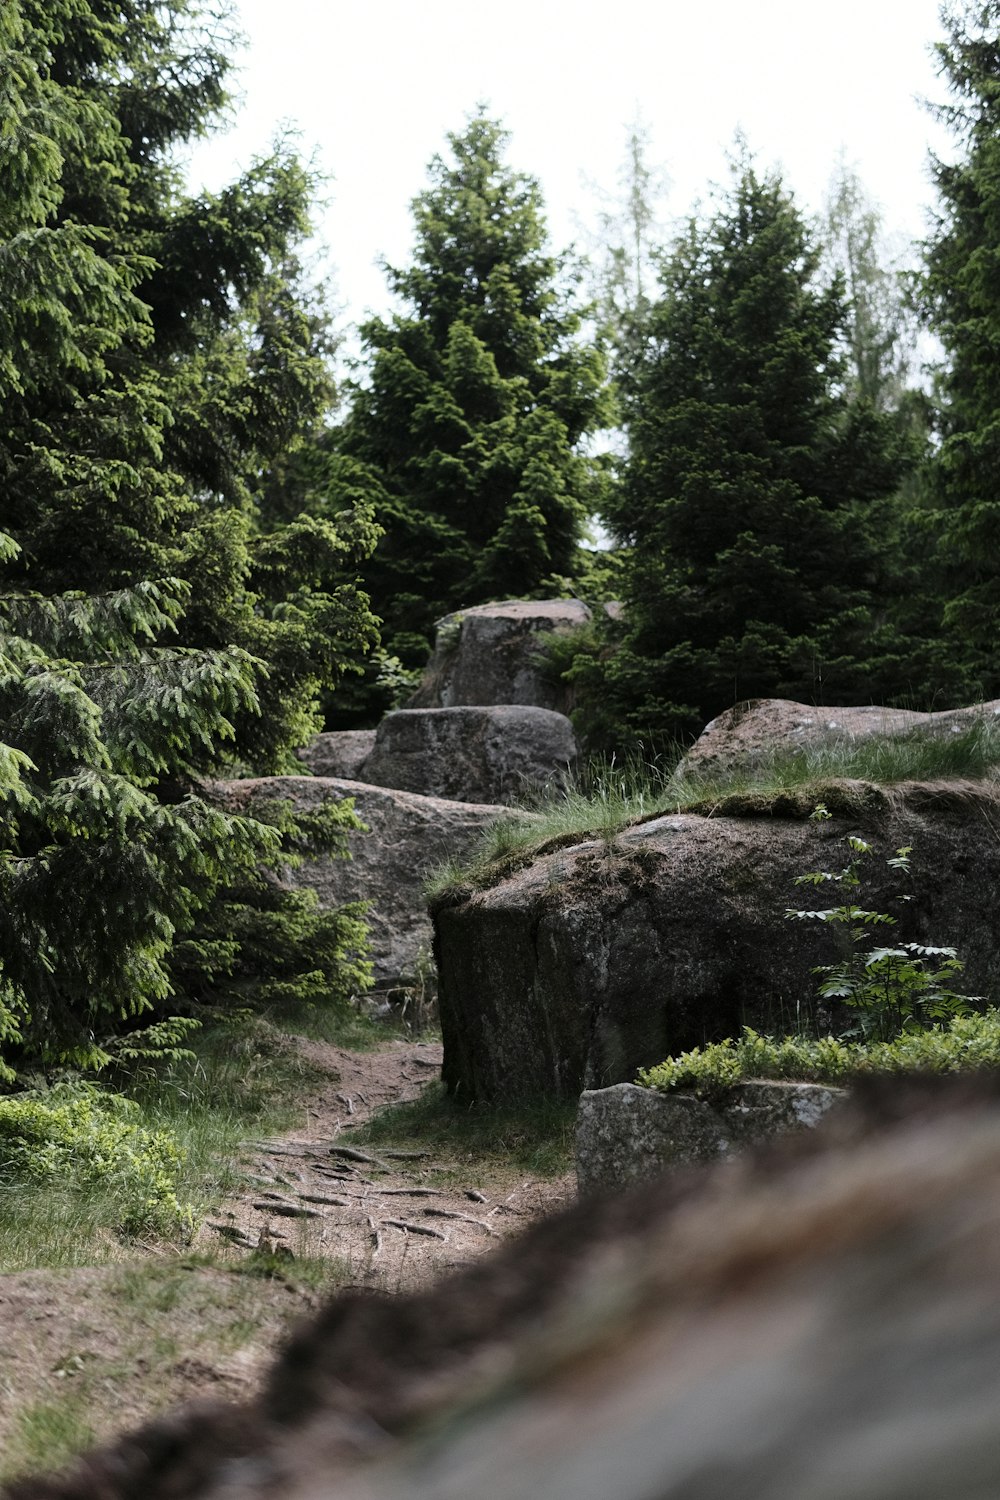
603, 958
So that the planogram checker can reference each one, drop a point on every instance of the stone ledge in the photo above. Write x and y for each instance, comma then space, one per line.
629, 1134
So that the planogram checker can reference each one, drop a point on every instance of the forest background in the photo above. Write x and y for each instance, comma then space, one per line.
210, 551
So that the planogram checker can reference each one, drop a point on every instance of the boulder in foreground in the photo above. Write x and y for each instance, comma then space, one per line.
820, 1323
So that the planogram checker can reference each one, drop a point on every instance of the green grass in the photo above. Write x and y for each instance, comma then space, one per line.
244, 1081
611, 797
150, 1289
354, 1030
535, 1136
48, 1433
971, 754
143, 1319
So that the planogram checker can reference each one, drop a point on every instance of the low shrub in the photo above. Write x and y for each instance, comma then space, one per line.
962, 1045
79, 1136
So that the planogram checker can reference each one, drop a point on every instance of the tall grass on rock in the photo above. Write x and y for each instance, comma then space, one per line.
616, 792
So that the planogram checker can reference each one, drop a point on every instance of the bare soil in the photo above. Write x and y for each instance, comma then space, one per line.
87, 1352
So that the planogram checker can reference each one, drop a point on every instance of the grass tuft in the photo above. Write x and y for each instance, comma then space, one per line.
534, 1136
47, 1434
243, 1081
611, 795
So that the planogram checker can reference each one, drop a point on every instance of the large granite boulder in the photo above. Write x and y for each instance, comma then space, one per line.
490, 654
628, 1134
596, 960
407, 838
822, 1324
754, 730
484, 754
340, 752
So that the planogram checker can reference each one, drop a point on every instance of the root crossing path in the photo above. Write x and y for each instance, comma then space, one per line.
394, 1214
91, 1351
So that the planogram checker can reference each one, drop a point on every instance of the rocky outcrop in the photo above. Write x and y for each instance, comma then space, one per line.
755, 730
603, 958
407, 838
627, 1134
489, 754
339, 753
823, 1323
490, 654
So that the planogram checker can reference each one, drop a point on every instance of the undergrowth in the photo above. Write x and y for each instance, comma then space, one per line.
965, 1043
612, 795
242, 1079
75, 1132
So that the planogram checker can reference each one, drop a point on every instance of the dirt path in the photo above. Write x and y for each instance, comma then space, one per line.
394, 1216
86, 1352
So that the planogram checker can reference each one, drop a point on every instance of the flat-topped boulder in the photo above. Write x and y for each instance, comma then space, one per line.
408, 837
491, 654
596, 960
472, 754
340, 752
761, 727
626, 1134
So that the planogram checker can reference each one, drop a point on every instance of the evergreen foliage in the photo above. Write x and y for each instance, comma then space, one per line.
749, 482
962, 301
467, 429
118, 901
262, 943
157, 354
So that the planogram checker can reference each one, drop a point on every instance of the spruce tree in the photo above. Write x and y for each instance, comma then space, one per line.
743, 506
467, 430
165, 352
150, 631
962, 301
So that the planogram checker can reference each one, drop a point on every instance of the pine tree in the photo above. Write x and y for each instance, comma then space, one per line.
962, 301
468, 429
748, 478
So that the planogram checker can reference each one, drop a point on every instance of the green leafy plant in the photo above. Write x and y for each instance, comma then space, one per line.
966, 1042
74, 1132
902, 987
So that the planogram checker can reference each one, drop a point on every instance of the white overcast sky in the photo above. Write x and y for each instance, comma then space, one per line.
373, 88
